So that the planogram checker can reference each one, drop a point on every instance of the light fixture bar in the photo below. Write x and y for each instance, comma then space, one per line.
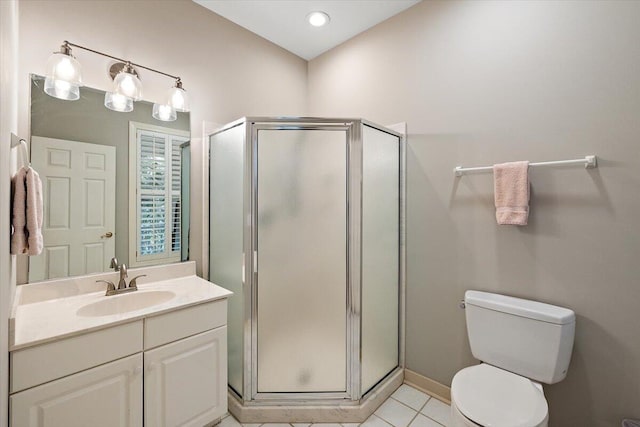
126, 80
67, 43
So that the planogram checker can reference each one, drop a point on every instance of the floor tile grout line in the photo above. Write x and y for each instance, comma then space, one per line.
425, 404
435, 421
413, 409
415, 416
422, 407
403, 404
382, 419
412, 419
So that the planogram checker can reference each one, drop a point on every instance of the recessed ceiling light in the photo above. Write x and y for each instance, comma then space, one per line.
318, 19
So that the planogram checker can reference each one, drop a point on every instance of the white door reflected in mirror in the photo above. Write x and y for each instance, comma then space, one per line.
79, 197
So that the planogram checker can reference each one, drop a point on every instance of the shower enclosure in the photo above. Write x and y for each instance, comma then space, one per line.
307, 229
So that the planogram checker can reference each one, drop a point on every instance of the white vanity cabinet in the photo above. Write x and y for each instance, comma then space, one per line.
185, 380
199, 362
105, 396
162, 370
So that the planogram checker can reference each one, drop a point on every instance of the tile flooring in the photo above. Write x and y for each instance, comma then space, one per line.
407, 407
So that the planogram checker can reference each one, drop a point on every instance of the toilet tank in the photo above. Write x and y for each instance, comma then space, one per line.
525, 337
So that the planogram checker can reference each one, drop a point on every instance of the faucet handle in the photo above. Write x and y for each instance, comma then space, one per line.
133, 284
110, 286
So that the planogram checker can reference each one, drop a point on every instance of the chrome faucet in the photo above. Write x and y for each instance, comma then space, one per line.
122, 283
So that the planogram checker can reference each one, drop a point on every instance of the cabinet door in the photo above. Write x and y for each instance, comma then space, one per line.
106, 396
185, 382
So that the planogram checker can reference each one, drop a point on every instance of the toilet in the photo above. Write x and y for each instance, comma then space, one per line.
521, 344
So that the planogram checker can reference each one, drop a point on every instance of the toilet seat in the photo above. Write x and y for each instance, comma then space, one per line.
492, 397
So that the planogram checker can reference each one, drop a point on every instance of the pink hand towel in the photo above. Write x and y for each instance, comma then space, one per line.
34, 212
19, 243
511, 188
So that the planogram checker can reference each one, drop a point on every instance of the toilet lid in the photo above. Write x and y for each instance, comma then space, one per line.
493, 397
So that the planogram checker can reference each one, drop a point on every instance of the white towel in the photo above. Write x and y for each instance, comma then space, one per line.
26, 212
34, 212
19, 242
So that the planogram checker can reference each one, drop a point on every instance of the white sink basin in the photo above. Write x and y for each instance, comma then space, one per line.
124, 303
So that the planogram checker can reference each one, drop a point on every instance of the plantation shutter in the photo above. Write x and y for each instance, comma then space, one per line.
158, 195
176, 202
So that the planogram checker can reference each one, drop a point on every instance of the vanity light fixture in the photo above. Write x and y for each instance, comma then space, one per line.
64, 75
63, 81
318, 18
118, 102
126, 81
177, 97
164, 112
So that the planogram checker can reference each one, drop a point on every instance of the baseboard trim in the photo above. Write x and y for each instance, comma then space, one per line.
429, 386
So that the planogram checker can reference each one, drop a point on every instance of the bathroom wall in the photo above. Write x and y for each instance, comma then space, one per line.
487, 82
8, 124
227, 71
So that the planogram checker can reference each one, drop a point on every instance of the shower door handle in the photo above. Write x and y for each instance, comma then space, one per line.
255, 262
244, 264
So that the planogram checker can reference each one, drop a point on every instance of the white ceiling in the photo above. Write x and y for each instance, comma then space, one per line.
284, 23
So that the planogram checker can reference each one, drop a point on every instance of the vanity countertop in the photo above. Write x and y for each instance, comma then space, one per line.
45, 321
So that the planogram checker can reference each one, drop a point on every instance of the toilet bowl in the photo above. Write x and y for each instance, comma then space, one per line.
520, 342
487, 396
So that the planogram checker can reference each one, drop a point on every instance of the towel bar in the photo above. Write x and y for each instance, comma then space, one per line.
589, 162
16, 141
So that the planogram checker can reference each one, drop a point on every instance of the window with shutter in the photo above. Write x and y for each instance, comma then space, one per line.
157, 194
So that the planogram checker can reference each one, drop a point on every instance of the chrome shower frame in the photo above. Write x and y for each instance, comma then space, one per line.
354, 395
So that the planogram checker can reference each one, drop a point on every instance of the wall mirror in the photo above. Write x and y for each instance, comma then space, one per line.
114, 184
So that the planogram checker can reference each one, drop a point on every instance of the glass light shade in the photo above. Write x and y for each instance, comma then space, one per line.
63, 77
128, 85
164, 113
61, 89
118, 102
177, 99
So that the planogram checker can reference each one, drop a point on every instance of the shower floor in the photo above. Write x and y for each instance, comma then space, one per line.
407, 407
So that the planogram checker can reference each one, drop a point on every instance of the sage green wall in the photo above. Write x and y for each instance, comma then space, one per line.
87, 120
483, 82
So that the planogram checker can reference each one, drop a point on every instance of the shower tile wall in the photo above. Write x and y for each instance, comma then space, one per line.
407, 407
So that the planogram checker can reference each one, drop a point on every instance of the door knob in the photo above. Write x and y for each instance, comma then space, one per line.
107, 235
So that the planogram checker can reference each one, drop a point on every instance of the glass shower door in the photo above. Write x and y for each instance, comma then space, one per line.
226, 249
380, 255
301, 241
